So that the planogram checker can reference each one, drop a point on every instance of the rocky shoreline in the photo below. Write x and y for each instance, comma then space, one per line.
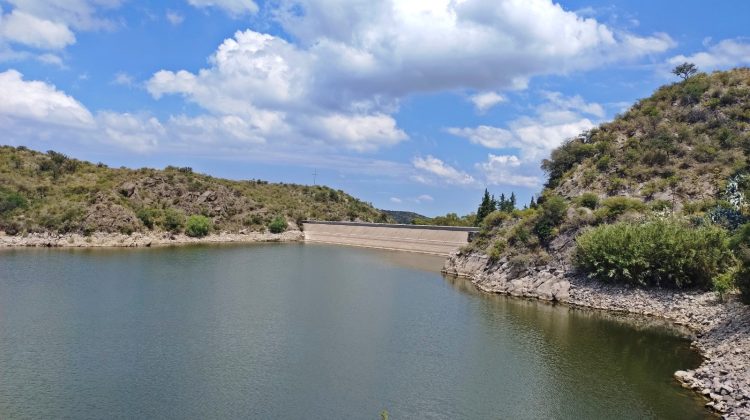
134, 240
720, 330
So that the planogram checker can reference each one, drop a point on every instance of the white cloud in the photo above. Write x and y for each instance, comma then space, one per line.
534, 137
78, 14
396, 200
232, 7
435, 167
362, 133
134, 132
39, 101
123, 79
27, 29
174, 18
425, 198
486, 100
722, 55
502, 170
339, 80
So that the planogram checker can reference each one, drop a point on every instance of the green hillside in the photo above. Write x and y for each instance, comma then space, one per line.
52, 192
675, 164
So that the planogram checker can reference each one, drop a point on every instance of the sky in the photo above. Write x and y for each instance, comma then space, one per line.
412, 105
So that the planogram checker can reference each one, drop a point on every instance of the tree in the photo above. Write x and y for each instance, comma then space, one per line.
512, 202
486, 207
685, 70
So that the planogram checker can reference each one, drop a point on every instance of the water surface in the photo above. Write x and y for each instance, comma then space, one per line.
310, 331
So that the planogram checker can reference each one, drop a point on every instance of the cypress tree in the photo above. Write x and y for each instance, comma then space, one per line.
486, 207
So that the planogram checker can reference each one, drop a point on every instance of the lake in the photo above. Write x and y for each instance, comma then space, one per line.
294, 331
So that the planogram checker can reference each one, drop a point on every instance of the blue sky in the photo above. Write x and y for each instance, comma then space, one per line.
412, 105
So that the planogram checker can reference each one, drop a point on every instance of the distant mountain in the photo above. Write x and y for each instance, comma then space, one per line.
403, 217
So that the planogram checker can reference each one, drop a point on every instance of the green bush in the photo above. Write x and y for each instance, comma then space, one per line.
148, 216
553, 213
494, 219
497, 249
277, 225
660, 252
612, 207
741, 245
198, 226
589, 200
174, 220
10, 201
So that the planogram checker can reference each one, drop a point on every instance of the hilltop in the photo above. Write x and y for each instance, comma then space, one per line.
683, 152
51, 192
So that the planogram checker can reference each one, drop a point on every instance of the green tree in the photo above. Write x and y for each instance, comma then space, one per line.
486, 207
685, 70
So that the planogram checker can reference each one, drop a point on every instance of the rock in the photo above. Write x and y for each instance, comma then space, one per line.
127, 189
544, 291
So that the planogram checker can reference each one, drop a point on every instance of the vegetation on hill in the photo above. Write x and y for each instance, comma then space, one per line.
50, 192
672, 172
403, 217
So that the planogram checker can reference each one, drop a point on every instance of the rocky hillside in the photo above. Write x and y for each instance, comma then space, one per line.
681, 144
50, 192
681, 152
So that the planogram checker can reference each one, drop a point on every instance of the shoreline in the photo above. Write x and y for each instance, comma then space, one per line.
719, 331
139, 239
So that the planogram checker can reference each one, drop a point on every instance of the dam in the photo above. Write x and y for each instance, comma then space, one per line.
426, 239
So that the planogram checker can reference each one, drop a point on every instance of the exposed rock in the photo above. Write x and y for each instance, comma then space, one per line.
127, 189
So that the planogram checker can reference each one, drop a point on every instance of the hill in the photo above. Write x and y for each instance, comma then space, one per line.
403, 217
681, 154
50, 192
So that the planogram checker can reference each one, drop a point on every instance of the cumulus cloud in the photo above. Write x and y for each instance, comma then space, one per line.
436, 168
27, 29
232, 7
38, 101
339, 80
722, 55
534, 137
425, 198
503, 170
396, 200
486, 100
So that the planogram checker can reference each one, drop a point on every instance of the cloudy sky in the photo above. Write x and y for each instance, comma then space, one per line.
413, 104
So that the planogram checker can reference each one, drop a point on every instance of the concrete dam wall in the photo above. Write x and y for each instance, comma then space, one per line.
440, 240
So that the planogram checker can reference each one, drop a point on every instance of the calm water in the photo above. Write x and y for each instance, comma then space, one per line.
314, 332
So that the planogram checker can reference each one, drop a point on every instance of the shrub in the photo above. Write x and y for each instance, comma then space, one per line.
148, 216
741, 245
660, 252
612, 207
553, 212
198, 226
494, 219
723, 283
588, 200
173, 220
277, 225
10, 201
498, 247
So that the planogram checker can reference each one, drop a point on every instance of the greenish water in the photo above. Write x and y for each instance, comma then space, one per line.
310, 331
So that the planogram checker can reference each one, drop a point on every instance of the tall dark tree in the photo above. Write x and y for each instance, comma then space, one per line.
532, 204
486, 207
512, 201
685, 70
